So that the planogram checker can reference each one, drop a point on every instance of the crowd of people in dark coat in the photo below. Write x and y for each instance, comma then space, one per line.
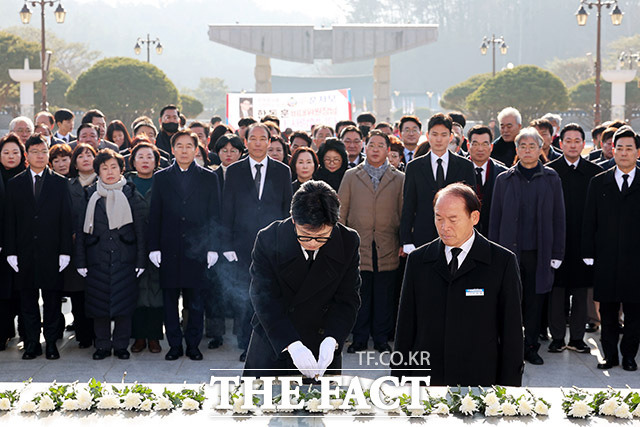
128, 224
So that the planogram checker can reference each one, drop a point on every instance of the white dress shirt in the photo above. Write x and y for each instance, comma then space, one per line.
406, 155
33, 176
466, 247
574, 164
484, 171
618, 175
263, 172
65, 138
434, 164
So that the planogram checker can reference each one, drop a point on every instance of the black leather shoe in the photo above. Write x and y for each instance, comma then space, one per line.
591, 327
607, 364
533, 357
628, 364
215, 342
174, 353
122, 354
194, 354
31, 351
52, 351
243, 356
556, 346
579, 346
357, 346
101, 353
382, 347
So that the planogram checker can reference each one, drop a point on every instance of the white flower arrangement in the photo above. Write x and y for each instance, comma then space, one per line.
189, 404
579, 403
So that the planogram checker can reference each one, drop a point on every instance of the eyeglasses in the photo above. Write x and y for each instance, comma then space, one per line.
231, 151
333, 161
310, 238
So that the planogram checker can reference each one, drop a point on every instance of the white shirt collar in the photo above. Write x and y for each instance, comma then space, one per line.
618, 175
33, 174
574, 164
483, 167
263, 162
306, 254
466, 247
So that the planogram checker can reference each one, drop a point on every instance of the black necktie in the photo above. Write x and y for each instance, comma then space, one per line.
37, 187
453, 265
625, 182
409, 156
258, 178
309, 258
439, 174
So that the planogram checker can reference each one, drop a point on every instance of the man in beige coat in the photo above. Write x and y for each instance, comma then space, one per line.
371, 203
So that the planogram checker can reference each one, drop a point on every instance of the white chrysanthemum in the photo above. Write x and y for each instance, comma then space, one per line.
441, 409
28, 406
524, 407
312, 405
237, 406
163, 404
636, 412
146, 405
622, 411
609, 407
490, 399
580, 409
468, 405
335, 403
509, 409
5, 404
46, 404
190, 404
418, 412
132, 401
108, 401
85, 399
541, 408
492, 411
70, 405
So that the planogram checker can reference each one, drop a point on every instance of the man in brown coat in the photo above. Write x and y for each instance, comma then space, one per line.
371, 203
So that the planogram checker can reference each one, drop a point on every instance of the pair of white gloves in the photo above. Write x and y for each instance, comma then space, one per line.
212, 257
305, 362
63, 262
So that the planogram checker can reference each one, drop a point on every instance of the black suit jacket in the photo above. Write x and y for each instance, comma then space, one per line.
610, 236
416, 224
295, 303
608, 164
495, 169
471, 340
244, 214
38, 232
184, 226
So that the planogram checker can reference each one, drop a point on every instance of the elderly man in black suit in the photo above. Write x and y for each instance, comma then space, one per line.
183, 240
610, 243
426, 175
459, 311
257, 191
37, 239
304, 288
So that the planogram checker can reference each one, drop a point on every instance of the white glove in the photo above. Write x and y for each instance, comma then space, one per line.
325, 356
408, 248
303, 359
13, 262
139, 272
212, 258
230, 256
555, 264
0, 249
63, 260
82, 271
588, 261
154, 257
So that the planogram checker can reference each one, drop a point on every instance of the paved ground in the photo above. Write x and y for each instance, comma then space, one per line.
563, 369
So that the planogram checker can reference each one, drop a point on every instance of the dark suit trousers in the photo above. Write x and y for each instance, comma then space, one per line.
243, 309
194, 303
83, 325
9, 309
577, 318
30, 308
376, 310
119, 340
531, 301
610, 332
214, 307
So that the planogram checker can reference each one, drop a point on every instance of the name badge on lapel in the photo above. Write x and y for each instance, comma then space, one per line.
474, 292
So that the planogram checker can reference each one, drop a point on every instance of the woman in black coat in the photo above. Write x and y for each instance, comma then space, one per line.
111, 254
333, 162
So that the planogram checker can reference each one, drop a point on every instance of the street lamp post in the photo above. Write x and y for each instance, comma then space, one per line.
45, 56
493, 41
137, 48
616, 19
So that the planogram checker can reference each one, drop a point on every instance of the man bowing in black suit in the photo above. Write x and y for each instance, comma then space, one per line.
459, 312
304, 288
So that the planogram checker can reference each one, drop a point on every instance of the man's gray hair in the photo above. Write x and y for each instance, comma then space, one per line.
529, 133
27, 120
510, 111
557, 118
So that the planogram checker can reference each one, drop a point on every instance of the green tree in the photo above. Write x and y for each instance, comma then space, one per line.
530, 89
455, 98
212, 92
583, 95
13, 51
123, 88
190, 106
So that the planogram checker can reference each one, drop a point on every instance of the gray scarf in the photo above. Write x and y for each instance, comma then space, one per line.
117, 205
375, 173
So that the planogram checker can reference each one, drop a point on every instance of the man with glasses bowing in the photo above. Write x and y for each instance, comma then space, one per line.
304, 288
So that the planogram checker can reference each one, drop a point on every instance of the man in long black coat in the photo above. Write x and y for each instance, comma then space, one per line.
460, 311
573, 277
38, 245
257, 191
304, 291
183, 240
610, 244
